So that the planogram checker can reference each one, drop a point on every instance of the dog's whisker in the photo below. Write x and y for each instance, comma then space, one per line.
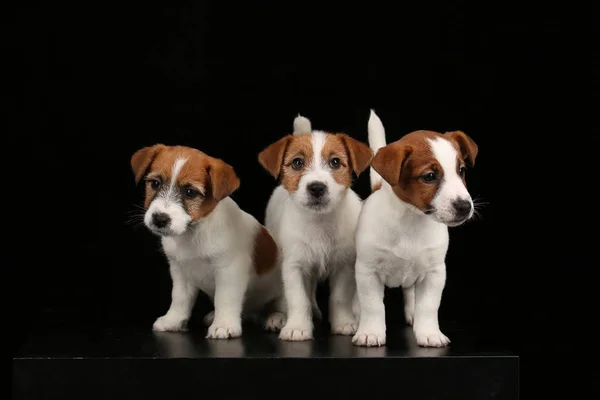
136, 219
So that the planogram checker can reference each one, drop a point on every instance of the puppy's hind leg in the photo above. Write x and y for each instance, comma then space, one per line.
276, 318
342, 292
312, 283
409, 304
209, 318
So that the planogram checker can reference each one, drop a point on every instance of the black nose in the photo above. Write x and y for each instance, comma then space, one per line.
316, 189
462, 208
160, 220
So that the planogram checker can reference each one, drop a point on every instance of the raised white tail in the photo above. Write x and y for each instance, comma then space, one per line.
376, 141
302, 125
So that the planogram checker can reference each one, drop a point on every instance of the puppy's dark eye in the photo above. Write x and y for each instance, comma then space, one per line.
297, 163
191, 193
335, 163
461, 171
429, 178
155, 184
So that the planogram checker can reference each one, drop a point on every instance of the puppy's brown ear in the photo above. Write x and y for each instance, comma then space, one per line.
468, 147
141, 159
271, 158
389, 160
360, 154
223, 179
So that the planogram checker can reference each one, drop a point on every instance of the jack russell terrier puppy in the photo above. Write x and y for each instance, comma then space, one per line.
312, 215
419, 190
210, 243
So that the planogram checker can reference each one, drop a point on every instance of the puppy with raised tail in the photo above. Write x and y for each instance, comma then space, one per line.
210, 243
312, 215
419, 190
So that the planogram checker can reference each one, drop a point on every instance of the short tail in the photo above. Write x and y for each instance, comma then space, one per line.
302, 125
376, 141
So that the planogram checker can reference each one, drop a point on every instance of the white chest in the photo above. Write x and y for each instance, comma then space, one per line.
409, 259
198, 268
319, 248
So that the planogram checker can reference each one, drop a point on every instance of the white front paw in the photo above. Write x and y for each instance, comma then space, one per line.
344, 326
275, 321
431, 338
224, 330
370, 334
170, 323
296, 332
369, 338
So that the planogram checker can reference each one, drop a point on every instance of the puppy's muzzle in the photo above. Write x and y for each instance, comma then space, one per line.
161, 220
462, 208
317, 189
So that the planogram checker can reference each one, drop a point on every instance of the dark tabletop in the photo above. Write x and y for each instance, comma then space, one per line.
136, 342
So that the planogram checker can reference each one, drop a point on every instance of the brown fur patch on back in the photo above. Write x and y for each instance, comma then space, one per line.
265, 251
376, 187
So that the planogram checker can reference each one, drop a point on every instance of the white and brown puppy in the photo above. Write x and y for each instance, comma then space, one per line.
402, 234
312, 215
210, 243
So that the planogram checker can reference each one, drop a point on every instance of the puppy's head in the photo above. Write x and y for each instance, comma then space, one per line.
316, 168
183, 185
427, 170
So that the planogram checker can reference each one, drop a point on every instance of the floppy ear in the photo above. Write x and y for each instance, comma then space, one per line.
389, 160
271, 158
223, 179
468, 147
141, 159
360, 154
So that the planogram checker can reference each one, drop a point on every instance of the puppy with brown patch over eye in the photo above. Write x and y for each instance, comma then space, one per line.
210, 243
419, 190
312, 215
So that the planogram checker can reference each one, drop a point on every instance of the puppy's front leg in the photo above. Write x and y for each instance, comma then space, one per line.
342, 290
299, 325
428, 296
231, 282
183, 297
370, 290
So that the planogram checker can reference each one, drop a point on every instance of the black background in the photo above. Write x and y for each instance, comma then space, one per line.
96, 82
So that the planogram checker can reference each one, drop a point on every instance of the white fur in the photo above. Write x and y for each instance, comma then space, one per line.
316, 244
398, 245
452, 187
318, 171
302, 125
168, 202
376, 141
215, 255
